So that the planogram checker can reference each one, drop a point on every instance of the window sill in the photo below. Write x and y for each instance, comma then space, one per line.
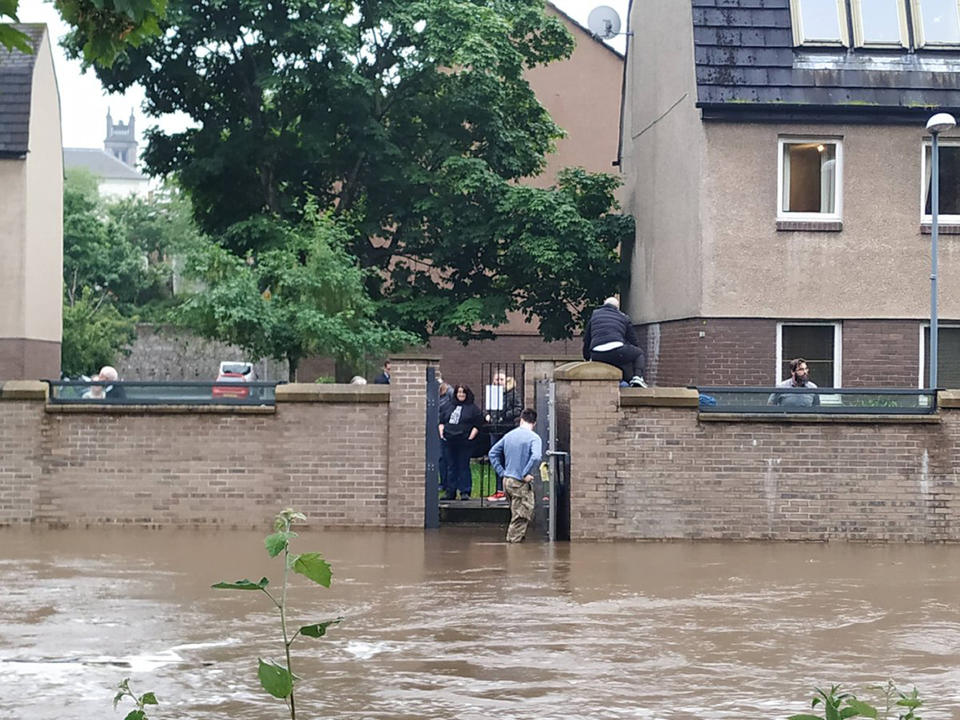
942, 229
810, 225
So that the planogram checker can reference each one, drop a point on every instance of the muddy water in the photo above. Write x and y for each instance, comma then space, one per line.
455, 624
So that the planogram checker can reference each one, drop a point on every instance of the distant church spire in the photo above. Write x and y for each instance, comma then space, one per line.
121, 140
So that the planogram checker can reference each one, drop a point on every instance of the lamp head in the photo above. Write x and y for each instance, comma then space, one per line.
941, 122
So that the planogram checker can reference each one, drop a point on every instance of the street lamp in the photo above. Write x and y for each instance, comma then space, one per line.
935, 125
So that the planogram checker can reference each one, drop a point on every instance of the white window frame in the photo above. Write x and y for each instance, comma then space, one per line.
837, 348
918, 37
837, 214
926, 219
925, 325
796, 23
856, 7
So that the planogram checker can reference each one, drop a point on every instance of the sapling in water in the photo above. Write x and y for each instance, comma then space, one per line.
278, 679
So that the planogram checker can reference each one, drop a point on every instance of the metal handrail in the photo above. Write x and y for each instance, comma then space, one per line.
169, 392
889, 401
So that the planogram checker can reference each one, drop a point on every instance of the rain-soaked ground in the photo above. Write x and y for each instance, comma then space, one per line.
456, 624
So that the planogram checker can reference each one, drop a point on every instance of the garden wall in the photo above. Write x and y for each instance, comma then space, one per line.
645, 465
323, 449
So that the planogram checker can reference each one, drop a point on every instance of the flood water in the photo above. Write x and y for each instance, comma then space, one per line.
456, 624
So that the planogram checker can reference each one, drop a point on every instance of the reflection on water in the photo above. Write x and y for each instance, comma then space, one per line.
456, 624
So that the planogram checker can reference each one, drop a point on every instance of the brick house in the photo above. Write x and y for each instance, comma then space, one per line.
31, 211
777, 164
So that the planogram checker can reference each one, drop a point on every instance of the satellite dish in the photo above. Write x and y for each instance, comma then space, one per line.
603, 22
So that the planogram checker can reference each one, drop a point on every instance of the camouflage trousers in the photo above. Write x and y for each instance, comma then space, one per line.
521, 507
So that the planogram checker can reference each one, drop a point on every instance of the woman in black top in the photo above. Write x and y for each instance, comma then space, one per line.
459, 425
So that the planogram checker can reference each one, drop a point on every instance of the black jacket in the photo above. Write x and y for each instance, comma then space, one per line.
607, 324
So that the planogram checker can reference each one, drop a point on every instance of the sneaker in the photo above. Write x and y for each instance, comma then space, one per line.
497, 496
464, 496
637, 381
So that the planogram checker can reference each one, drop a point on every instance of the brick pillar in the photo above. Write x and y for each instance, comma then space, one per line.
588, 411
406, 444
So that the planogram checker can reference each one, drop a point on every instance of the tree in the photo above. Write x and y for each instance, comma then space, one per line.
96, 252
302, 296
94, 333
411, 122
102, 28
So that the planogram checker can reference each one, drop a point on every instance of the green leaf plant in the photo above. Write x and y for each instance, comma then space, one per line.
123, 690
279, 680
837, 705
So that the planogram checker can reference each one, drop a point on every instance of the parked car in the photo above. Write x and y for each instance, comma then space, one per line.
237, 374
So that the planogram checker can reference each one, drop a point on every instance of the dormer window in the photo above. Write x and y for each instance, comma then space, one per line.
936, 23
819, 22
880, 23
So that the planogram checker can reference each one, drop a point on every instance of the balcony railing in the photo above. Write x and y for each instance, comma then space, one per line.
841, 401
94, 392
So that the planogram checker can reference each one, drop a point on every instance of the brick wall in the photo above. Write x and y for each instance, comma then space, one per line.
742, 351
644, 466
323, 451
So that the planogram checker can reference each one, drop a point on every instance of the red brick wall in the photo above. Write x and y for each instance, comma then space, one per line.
881, 353
742, 351
661, 473
328, 459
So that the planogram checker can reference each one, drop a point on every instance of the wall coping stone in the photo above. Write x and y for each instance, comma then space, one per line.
23, 390
587, 371
551, 358
821, 418
113, 409
415, 357
659, 397
332, 393
948, 398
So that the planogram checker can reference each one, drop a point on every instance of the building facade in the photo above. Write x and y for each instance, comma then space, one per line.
776, 161
31, 211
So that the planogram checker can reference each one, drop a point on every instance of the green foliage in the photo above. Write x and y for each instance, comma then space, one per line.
96, 252
837, 705
148, 698
101, 28
303, 294
279, 680
411, 122
94, 333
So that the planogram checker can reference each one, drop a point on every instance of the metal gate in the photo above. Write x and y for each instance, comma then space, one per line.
553, 492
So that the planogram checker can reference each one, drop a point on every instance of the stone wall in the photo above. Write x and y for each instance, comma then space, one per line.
324, 449
646, 465
165, 353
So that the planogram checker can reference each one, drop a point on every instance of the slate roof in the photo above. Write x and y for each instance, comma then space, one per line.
747, 68
16, 81
100, 163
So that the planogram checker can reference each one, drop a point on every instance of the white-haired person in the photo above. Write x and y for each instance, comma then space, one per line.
609, 338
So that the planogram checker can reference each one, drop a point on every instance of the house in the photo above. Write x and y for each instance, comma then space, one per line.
31, 211
776, 160
114, 165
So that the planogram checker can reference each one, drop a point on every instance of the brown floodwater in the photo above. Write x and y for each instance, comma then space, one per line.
456, 624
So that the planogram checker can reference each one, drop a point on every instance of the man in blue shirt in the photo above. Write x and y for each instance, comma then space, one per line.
516, 456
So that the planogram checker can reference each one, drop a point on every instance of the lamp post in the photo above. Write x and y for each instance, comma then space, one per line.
935, 125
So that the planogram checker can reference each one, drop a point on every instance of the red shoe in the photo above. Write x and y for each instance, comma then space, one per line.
498, 495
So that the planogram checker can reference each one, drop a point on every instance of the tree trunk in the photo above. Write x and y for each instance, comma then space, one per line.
293, 362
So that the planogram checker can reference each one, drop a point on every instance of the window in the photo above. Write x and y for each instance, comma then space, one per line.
881, 23
819, 22
936, 22
810, 176
817, 343
949, 181
948, 356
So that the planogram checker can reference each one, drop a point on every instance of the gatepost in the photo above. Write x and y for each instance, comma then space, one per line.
588, 402
407, 436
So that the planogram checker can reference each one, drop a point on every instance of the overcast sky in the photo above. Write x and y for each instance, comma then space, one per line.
84, 104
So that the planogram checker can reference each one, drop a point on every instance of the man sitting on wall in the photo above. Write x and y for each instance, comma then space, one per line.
609, 338
799, 377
